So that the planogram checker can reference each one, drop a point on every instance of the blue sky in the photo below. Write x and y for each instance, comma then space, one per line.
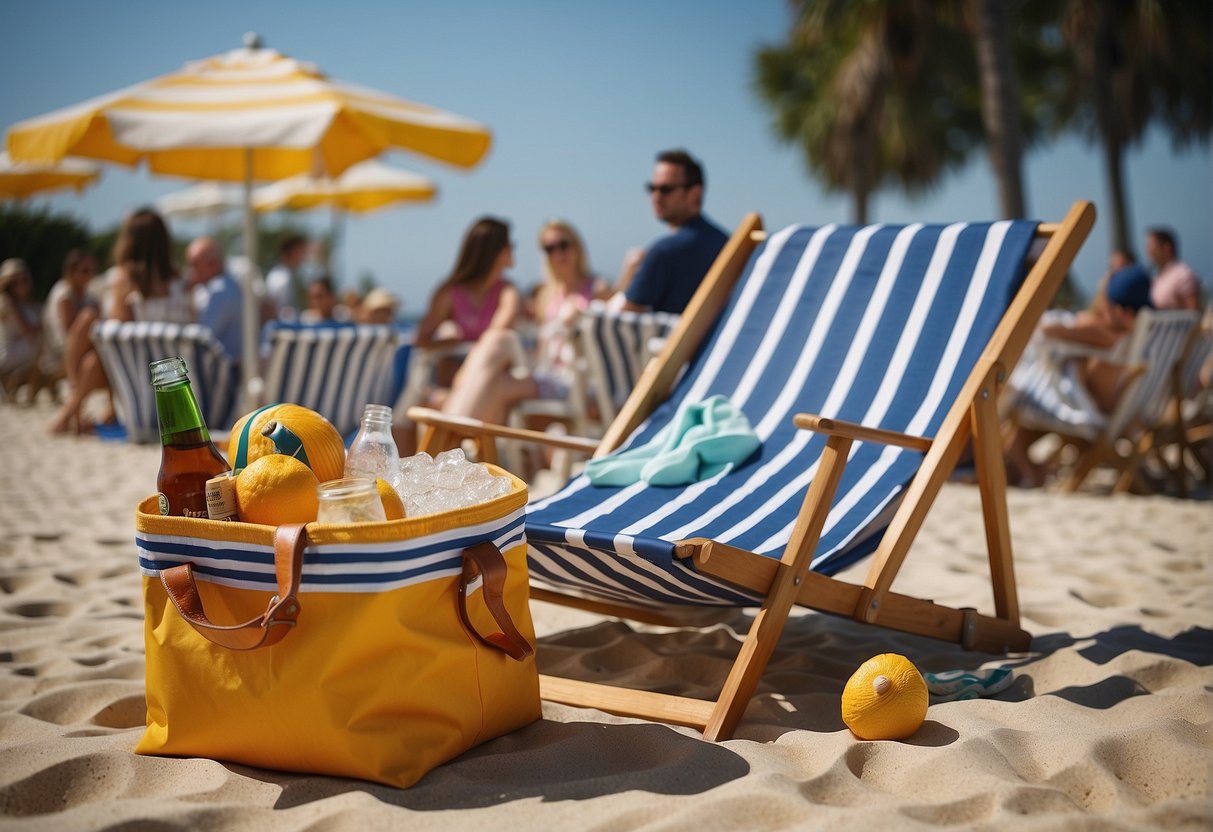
579, 96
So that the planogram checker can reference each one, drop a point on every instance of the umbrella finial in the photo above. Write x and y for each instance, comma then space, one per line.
252, 40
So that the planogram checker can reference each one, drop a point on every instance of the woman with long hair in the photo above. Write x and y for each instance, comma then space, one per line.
487, 386
477, 296
142, 285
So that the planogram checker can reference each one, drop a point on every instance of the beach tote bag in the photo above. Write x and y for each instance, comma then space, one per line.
368, 650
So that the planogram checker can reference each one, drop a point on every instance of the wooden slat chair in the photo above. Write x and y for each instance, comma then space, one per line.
126, 348
866, 359
334, 369
1053, 399
1186, 424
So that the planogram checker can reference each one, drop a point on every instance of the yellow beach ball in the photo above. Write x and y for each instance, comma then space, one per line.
885, 699
321, 441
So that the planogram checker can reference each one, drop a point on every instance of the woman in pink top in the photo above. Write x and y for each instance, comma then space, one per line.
485, 387
477, 297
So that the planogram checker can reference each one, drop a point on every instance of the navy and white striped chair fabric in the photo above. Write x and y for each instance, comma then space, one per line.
879, 325
126, 348
335, 370
617, 346
1046, 393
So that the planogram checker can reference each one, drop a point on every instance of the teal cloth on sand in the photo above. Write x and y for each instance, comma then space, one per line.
702, 440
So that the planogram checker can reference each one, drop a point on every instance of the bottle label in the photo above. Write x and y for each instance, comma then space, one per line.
163, 501
221, 498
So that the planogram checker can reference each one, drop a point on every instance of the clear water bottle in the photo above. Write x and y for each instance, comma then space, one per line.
373, 453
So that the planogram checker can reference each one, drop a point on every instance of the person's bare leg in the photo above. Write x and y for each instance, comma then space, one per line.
79, 342
484, 388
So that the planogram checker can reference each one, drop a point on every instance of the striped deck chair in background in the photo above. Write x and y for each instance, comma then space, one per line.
1188, 427
1050, 397
617, 346
866, 358
126, 348
334, 369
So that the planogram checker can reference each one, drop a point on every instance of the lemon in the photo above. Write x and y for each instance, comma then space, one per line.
885, 699
393, 506
276, 489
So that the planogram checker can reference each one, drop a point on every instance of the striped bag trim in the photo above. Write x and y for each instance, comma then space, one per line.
356, 567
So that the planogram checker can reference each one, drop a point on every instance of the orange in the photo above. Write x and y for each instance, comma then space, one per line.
885, 699
325, 450
393, 506
276, 489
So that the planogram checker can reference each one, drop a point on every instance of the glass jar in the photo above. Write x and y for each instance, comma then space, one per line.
349, 500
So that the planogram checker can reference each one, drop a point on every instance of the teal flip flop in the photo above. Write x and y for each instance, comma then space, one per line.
956, 685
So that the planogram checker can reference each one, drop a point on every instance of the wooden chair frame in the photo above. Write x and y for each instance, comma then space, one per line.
787, 581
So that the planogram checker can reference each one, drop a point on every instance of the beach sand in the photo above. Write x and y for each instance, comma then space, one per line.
1108, 725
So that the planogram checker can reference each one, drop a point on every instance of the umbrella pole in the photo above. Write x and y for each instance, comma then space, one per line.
250, 370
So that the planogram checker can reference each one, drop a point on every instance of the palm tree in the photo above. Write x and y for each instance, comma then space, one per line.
876, 92
1000, 102
1135, 63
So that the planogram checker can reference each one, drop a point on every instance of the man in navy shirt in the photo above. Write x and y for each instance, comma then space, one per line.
673, 266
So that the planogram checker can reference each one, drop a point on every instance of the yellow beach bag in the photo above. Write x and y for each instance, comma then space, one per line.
368, 650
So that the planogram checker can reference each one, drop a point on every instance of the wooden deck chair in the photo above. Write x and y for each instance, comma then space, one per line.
126, 348
866, 359
1186, 424
334, 369
1055, 402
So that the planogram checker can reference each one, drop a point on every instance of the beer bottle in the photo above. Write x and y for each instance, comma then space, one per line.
188, 457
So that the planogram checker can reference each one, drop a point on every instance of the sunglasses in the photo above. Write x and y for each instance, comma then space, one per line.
664, 190
559, 245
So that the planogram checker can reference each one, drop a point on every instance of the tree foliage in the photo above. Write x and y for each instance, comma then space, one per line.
42, 239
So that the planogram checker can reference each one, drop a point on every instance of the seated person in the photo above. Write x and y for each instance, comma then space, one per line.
488, 385
1098, 380
322, 305
67, 298
378, 307
476, 298
20, 328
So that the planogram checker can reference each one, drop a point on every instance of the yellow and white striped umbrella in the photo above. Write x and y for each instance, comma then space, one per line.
248, 115
214, 116
367, 186
19, 180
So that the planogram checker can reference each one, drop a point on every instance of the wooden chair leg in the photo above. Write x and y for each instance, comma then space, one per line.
992, 482
764, 633
1086, 462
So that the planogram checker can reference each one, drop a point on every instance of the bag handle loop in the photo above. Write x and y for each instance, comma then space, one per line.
262, 631
484, 560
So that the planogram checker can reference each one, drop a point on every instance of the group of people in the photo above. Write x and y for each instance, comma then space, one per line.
1095, 383
478, 304
43, 344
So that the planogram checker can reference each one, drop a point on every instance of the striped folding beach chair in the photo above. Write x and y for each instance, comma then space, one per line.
1049, 396
334, 369
126, 348
866, 359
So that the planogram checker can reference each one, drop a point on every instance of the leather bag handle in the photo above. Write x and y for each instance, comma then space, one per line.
267, 629
484, 560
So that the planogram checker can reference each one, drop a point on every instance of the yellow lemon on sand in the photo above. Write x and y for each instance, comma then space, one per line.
886, 699
276, 489
393, 506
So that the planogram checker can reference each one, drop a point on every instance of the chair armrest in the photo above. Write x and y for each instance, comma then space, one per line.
465, 426
850, 430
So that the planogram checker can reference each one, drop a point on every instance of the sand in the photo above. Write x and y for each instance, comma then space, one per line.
1108, 725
